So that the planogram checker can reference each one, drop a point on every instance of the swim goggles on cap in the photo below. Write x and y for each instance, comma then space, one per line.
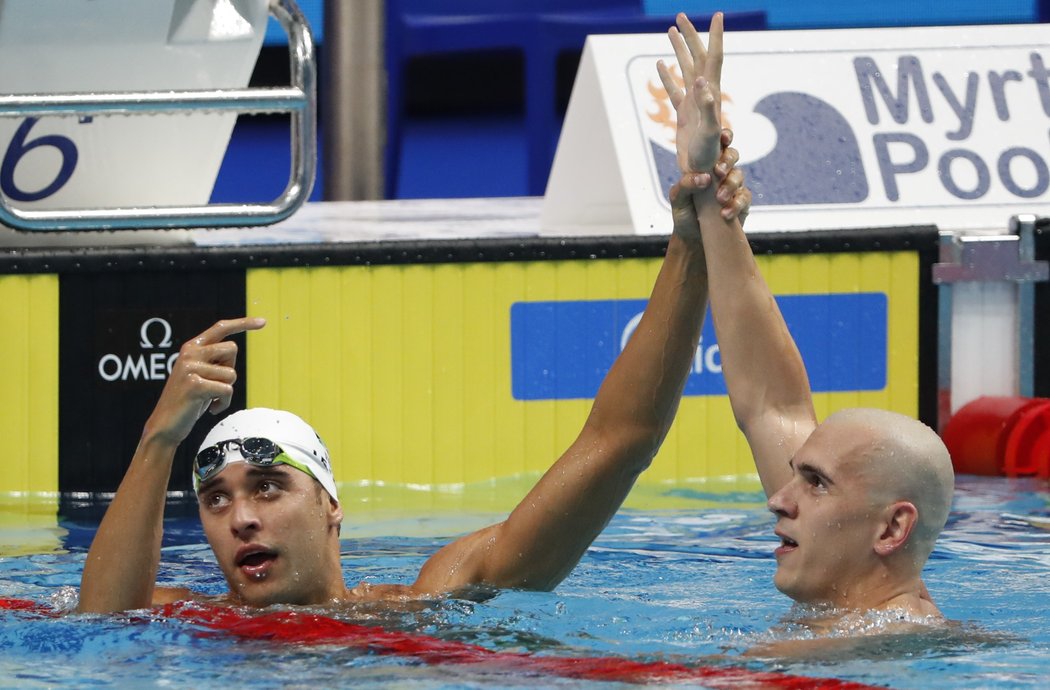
261, 452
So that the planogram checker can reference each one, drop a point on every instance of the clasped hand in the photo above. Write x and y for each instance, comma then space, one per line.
699, 105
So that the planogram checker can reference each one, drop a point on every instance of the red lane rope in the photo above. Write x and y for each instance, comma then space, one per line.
310, 629
24, 605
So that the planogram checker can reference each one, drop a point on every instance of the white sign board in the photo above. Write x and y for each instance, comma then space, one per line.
836, 129
69, 46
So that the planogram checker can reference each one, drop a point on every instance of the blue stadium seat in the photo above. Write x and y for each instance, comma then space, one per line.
844, 14
540, 29
416, 28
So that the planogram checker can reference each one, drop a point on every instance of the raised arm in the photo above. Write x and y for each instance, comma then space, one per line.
766, 379
764, 374
546, 535
121, 568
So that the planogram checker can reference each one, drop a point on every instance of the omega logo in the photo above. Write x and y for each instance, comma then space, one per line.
155, 333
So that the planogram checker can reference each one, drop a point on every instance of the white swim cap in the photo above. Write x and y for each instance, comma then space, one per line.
299, 444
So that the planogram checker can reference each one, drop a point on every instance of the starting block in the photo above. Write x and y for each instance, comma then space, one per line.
116, 115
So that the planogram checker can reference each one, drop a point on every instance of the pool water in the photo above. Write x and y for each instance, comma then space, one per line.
687, 585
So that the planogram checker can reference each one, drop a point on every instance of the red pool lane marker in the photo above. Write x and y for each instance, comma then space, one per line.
25, 605
307, 628
304, 628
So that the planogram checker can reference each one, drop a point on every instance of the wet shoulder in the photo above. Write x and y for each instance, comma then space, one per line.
171, 595
877, 634
368, 592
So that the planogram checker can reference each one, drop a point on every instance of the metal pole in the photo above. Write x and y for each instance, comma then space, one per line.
1023, 225
353, 120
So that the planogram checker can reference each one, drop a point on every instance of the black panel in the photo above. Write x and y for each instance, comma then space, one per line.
1042, 313
112, 369
929, 254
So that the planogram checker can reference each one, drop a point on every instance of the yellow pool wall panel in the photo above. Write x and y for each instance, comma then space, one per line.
405, 369
29, 386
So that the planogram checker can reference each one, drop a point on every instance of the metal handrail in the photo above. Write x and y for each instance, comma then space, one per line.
299, 99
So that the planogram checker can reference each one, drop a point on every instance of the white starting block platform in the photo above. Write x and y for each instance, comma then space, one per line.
117, 114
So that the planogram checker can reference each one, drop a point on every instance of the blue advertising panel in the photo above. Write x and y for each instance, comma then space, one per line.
562, 350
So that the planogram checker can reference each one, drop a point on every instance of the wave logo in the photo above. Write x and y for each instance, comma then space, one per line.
816, 160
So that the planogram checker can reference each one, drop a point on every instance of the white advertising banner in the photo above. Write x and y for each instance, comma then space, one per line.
78, 46
836, 129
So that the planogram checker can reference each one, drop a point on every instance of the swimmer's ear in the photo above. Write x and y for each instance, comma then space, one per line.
335, 512
901, 518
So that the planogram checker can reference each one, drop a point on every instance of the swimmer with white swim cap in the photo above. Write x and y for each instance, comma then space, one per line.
264, 437
268, 503
259, 476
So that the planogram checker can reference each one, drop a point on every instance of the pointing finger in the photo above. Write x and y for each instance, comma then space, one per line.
227, 327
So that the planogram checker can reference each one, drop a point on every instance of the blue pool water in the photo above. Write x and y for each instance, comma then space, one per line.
686, 585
